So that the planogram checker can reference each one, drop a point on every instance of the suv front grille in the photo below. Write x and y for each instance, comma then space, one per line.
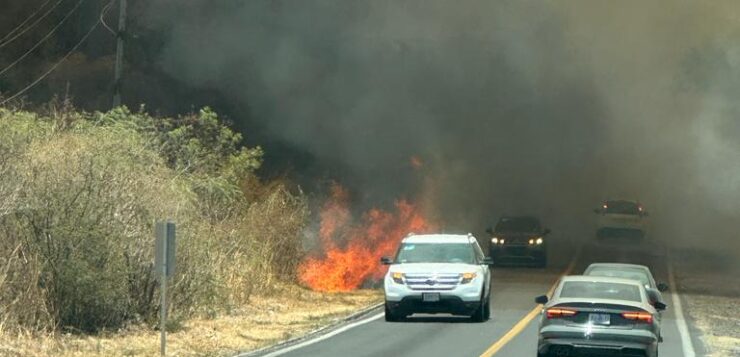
426, 281
518, 241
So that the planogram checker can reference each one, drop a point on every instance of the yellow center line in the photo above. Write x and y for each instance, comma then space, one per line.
522, 324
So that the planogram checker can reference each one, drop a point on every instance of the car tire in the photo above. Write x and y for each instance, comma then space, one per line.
390, 315
479, 315
487, 309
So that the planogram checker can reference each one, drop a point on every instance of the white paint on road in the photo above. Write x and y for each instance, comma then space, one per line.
309, 342
683, 329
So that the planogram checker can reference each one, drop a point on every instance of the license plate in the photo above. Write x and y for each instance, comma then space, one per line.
430, 297
599, 319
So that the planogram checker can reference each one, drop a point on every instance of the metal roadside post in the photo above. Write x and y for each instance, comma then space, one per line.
164, 267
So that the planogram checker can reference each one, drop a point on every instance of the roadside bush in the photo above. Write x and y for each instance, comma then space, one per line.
77, 206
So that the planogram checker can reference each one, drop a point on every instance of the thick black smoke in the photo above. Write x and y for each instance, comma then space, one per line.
513, 106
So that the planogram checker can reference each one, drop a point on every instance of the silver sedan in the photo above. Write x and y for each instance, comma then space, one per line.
590, 315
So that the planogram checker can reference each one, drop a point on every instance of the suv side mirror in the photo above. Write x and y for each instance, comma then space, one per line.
542, 299
489, 230
546, 231
386, 261
487, 261
660, 306
662, 287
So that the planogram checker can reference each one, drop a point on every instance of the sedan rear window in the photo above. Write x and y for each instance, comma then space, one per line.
624, 273
600, 290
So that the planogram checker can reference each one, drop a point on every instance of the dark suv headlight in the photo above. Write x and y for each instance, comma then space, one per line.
536, 241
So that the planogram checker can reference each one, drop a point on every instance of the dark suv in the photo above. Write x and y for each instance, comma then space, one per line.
519, 240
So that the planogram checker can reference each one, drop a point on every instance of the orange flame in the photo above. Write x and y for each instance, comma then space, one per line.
416, 162
347, 267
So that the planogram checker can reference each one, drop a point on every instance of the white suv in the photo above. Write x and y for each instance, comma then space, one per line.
438, 273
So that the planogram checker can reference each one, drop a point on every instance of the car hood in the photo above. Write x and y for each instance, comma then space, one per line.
517, 234
449, 268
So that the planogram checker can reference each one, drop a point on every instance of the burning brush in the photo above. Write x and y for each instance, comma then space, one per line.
348, 265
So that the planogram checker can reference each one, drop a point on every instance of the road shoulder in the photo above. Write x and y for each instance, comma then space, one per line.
709, 284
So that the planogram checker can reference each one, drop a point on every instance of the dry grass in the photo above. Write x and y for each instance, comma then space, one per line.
711, 287
290, 312
79, 194
718, 318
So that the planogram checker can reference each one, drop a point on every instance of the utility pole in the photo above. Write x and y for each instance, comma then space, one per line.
119, 53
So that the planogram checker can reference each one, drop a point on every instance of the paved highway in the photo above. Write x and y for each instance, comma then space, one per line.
512, 330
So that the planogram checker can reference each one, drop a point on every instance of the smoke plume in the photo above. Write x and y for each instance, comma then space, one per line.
544, 107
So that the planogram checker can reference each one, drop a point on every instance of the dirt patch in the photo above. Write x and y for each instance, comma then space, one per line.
266, 320
710, 284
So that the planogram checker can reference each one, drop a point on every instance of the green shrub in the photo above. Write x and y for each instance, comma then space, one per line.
77, 206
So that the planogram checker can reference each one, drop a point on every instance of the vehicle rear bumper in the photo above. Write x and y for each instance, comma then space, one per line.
446, 304
608, 343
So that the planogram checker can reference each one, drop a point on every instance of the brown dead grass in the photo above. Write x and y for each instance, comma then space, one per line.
718, 318
291, 312
711, 287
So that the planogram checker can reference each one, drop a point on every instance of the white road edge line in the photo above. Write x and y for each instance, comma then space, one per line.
683, 329
324, 337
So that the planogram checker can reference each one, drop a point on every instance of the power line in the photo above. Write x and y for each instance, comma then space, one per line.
54, 67
102, 18
3, 44
24, 21
64, 19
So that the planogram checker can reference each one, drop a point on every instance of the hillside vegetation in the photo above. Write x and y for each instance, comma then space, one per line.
80, 192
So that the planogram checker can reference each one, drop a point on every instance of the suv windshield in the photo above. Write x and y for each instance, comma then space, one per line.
622, 207
436, 253
518, 224
600, 290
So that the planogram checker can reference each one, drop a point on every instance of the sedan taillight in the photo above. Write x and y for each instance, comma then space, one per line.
556, 312
645, 317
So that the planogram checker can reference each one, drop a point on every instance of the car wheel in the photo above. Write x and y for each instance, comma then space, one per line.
487, 309
390, 315
479, 315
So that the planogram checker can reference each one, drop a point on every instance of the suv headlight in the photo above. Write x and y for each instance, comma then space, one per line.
397, 277
537, 241
467, 277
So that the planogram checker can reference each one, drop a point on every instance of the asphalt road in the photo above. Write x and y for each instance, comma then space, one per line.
514, 290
